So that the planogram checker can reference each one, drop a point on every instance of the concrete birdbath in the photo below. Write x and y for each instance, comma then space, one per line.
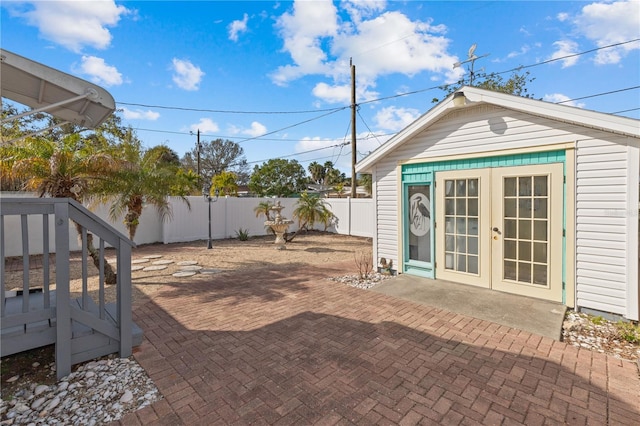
279, 226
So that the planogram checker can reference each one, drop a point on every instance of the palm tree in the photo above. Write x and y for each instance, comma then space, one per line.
317, 172
64, 169
310, 208
144, 177
264, 209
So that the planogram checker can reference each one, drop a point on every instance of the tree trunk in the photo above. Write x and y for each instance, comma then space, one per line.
289, 236
110, 276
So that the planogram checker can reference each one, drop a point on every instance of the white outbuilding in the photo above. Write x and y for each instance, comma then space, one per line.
516, 195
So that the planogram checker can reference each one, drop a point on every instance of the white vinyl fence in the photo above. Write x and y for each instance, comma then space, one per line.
228, 215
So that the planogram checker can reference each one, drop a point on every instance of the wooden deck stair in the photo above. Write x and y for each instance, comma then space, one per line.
36, 330
36, 316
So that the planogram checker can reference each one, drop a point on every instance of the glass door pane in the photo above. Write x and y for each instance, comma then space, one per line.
461, 218
420, 223
525, 225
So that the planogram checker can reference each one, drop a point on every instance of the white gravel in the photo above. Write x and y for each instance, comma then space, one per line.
97, 393
365, 283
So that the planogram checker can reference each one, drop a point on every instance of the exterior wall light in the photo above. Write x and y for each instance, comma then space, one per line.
459, 99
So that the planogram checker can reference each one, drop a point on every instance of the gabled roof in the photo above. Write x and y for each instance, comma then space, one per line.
474, 96
45, 89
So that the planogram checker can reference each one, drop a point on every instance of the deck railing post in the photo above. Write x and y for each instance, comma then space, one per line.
124, 299
63, 306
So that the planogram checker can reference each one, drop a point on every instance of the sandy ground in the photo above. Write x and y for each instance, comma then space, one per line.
226, 256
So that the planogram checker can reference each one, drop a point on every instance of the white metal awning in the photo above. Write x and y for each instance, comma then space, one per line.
45, 89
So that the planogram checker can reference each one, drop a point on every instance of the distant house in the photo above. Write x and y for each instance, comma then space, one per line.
516, 195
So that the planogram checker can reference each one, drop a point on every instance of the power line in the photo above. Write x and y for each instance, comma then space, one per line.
571, 55
303, 152
337, 109
626, 110
221, 111
368, 128
600, 94
291, 126
230, 137
507, 71
331, 111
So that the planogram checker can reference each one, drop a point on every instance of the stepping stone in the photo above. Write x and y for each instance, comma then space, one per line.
210, 271
184, 274
139, 261
191, 268
137, 268
155, 268
187, 263
162, 262
152, 256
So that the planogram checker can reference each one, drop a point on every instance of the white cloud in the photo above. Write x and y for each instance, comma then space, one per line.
565, 48
303, 32
98, 71
609, 23
560, 98
395, 119
256, 129
72, 24
321, 43
186, 75
360, 9
237, 27
524, 49
333, 94
205, 125
140, 114
562, 16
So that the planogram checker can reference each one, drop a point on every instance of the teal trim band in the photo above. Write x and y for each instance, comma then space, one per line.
409, 170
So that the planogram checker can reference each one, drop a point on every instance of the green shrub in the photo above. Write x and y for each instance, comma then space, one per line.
242, 234
597, 320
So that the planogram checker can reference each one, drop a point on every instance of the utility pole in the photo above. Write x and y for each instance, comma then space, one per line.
353, 130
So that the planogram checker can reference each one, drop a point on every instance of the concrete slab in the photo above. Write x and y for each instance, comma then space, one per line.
524, 313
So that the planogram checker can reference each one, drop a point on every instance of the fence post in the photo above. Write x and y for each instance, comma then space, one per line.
349, 214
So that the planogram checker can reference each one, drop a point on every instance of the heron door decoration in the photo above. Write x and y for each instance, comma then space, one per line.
419, 214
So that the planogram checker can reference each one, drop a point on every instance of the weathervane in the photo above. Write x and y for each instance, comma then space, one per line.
472, 57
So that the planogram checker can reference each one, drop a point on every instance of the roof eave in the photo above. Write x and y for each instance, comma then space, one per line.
46, 89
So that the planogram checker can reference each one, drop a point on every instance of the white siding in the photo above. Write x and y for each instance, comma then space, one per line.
602, 195
387, 207
601, 223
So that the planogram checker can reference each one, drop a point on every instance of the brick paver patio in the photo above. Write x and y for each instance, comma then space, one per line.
287, 347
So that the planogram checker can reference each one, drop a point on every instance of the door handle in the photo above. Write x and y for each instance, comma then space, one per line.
495, 229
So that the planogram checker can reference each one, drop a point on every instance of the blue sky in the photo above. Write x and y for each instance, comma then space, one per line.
275, 76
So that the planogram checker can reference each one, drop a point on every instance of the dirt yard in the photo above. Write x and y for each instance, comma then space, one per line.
226, 256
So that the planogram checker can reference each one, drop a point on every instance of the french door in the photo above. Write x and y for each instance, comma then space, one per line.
501, 228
